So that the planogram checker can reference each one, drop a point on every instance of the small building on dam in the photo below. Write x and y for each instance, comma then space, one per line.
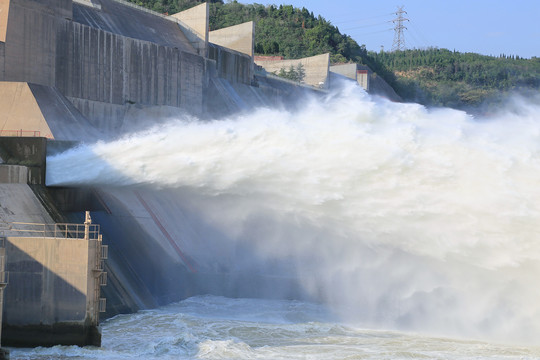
85, 70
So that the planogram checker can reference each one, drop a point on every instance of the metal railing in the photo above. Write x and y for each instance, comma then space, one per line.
103, 279
4, 275
104, 252
4, 278
102, 305
68, 231
20, 133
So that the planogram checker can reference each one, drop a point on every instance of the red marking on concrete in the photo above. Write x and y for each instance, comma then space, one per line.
165, 232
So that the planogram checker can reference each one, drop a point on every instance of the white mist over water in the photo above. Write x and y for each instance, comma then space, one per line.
396, 216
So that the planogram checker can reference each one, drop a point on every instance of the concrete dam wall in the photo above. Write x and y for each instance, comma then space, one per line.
85, 70
102, 58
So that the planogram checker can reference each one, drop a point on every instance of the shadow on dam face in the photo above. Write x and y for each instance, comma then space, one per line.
146, 229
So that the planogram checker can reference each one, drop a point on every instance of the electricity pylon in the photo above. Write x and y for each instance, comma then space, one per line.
399, 38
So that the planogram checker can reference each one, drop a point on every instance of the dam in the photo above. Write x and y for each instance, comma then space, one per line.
341, 226
79, 71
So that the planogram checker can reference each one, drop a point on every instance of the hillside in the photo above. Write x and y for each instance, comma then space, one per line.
460, 80
433, 76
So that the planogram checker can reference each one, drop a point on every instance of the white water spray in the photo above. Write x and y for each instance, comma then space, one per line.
396, 215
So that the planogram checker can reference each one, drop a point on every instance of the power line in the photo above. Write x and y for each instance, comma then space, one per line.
374, 32
367, 25
399, 38
363, 19
415, 29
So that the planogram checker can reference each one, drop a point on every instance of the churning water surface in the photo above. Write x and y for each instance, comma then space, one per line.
396, 217
210, 327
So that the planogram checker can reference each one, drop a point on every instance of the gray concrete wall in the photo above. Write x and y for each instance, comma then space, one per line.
146, 61
347, 70
38, 110
239, 37
134, 22
117, 55
51, 288
30, 53
194, 23
21, 114
366, 78
359, 73
4, 12
62, 118
104, 67
231, 65
2, 60
13, 174
19, 203
315, 67
380, 87
30, 152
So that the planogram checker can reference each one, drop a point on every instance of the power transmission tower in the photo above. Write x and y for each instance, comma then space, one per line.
399, 38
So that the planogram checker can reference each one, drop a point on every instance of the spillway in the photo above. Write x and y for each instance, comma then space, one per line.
396, 216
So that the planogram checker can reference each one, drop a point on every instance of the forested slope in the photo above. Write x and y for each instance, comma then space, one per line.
443, 77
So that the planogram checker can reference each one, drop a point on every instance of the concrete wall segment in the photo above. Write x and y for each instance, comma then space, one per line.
4, 12
316, 68
47, 302
129, 21
102, 67
37, 110
13, 174
30, 153
2, 61
117, 55
196, 18
380, 87
20, 111
194, 23
238, 37
19, 203
348, 70
231, 65
192, 80
63, 119
30, 51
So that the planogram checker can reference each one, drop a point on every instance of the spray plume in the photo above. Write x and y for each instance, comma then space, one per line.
397, 215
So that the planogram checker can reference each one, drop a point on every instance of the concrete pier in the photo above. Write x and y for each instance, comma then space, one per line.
56, 271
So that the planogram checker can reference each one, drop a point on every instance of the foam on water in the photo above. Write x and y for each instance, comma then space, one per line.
396, 216
211, 327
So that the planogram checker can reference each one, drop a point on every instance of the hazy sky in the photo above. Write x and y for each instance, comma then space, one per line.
489, 27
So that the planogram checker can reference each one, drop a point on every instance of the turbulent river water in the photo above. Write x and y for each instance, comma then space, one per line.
397, 218
209, 327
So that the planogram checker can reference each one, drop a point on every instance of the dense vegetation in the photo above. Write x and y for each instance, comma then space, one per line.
280, 30
450, 78
431, 76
